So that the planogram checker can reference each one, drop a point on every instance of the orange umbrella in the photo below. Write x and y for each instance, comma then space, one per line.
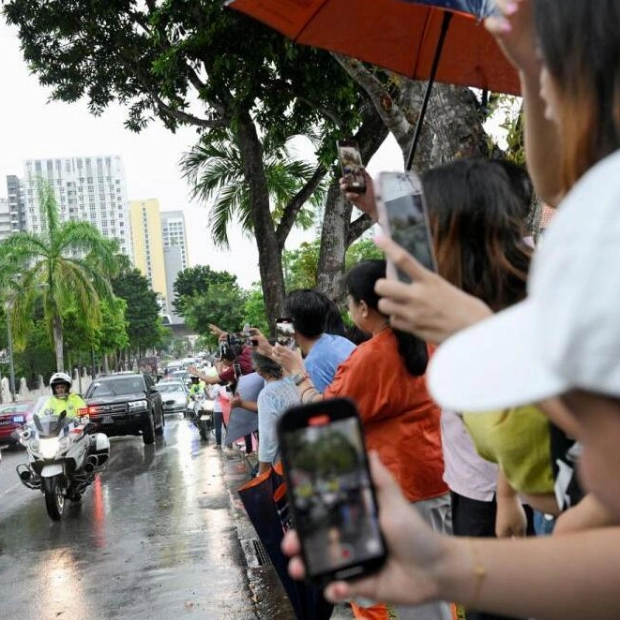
419, 41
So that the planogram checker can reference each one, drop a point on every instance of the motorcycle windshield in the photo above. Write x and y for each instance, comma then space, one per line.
48, 425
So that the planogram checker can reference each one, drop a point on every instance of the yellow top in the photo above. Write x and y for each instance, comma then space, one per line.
71, 405
518, 440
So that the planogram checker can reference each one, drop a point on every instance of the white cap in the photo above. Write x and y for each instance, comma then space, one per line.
566, 334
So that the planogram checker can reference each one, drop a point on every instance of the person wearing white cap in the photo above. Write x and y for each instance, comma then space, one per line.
562, 343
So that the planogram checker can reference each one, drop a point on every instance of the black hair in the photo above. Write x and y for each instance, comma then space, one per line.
360, 283
521, 184
477, 226
308, 309
334, 324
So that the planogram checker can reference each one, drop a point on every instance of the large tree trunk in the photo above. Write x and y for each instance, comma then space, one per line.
452, 129
269, 254
335, 238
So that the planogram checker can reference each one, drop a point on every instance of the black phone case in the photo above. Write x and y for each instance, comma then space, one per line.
337, 409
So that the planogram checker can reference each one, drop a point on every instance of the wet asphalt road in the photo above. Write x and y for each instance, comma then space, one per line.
153, 538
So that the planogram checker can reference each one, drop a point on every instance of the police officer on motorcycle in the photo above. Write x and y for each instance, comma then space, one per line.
62, 399
197, 389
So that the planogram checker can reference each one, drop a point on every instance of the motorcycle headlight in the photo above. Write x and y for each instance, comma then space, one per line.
137, 405
49, 447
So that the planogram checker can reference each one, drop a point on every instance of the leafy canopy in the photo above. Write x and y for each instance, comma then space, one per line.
185, 62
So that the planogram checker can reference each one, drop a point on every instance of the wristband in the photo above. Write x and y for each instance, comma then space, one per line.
300, 377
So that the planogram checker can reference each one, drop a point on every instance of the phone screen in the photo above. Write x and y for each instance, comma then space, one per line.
285, 333
402, 214
352, 166
331, 491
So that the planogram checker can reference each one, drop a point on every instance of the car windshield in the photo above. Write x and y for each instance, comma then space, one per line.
169, 387
14, 408
116, 387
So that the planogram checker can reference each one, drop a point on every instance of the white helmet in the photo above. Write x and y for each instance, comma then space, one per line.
60, 377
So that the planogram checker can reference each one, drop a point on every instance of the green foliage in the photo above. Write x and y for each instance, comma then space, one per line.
37, 357
144, 329
196, 281
300, 265
67, 265
362, 249
145, 54
221, 304
216, 173
112, 335
254, 312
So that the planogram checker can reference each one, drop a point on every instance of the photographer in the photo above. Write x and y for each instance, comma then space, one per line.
231, 352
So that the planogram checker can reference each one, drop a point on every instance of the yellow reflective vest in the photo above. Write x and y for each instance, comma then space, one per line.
72, 405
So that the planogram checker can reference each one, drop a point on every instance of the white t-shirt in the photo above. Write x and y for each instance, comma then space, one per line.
215, 392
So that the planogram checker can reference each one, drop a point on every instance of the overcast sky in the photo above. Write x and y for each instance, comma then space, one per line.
32, 127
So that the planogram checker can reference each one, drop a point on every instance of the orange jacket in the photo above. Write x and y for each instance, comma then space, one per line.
400, 420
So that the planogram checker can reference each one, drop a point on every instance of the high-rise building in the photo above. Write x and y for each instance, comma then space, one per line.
90, 189
173, 261
173, 231
17, 207
5, 219
148, 248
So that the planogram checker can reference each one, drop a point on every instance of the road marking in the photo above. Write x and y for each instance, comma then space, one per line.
15, 486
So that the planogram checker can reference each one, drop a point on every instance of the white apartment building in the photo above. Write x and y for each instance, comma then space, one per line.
5, 219
173, 234
91, 189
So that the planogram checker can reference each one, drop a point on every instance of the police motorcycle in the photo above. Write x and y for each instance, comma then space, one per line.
205, 419
200, 412
63, 458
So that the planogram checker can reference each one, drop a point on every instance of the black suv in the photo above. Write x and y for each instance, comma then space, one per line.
126, 403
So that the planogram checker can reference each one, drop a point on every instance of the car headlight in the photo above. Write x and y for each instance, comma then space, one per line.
49, 447
138, 404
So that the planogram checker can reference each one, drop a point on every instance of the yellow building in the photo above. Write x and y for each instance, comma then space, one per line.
148, 246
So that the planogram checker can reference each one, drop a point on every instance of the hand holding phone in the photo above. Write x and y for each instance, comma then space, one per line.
403, 216
331, 493
352, 166
285, 332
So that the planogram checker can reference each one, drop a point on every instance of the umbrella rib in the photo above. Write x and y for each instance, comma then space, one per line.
421, 42
307, 23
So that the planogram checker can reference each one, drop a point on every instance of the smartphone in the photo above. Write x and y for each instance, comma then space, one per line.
237, 370
352, 166
331, 494
285, 332
403, 216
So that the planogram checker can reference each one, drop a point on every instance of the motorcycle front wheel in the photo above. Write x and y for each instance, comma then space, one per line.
54, 498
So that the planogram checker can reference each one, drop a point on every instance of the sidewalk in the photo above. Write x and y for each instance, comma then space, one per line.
268, 594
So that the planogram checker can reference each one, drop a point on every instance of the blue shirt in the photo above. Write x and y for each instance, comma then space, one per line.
275, 398
325, 356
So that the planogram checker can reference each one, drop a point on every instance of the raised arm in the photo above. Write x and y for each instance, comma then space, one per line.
514, 32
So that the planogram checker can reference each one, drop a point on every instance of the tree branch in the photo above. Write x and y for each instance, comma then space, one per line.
357, 228
388, 109
325, 111
297, 202
185, 117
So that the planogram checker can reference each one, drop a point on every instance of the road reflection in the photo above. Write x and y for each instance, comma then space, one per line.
152, 538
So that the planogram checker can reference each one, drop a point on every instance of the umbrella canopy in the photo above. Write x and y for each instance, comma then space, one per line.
399, 35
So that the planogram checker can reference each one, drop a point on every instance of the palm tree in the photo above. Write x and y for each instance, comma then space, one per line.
68, 264
215, 171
